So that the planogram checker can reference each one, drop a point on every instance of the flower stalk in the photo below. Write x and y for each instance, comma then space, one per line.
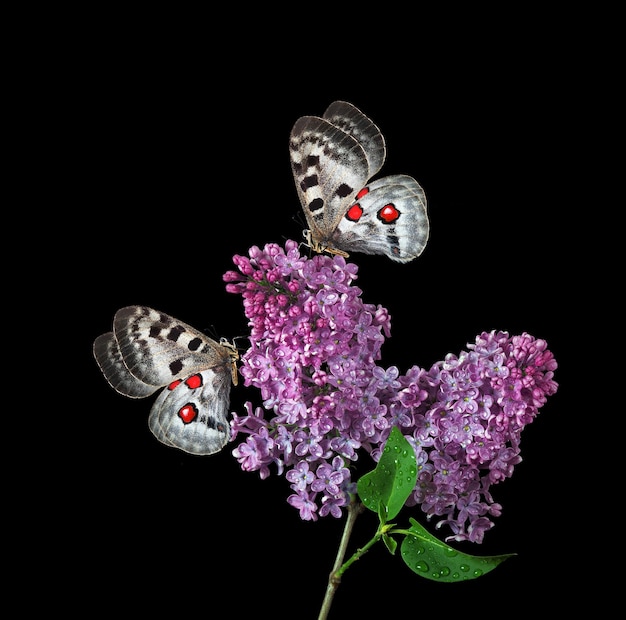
354, 510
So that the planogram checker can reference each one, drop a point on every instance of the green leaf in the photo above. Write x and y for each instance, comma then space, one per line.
390, 543
389, 485
431, 558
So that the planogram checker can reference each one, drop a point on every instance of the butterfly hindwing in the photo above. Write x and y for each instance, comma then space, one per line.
148, 350
192, 415
391, 217
333, 157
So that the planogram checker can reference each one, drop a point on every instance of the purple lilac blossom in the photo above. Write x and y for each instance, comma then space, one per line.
314, 350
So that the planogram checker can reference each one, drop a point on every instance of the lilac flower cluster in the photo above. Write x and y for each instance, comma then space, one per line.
314, 348
467, 414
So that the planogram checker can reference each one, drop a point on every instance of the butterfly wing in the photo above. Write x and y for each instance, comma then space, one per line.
192, 415
148, 350
388, 217
332, 157
109, 358
158, 348
351, 120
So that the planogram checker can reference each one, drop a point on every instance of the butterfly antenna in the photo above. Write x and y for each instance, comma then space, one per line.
299, 220
212, 332
236, 338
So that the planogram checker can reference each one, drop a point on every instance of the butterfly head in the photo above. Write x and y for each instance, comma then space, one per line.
319, 247
233, 352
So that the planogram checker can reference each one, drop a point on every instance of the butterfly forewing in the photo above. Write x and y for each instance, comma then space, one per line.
108, 356
328, 164
148, 350
351, 120
158, 348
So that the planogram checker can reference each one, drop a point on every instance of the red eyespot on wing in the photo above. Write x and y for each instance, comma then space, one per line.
188, 413
195, 381
362, 193
174, 384
388, 214
354, 212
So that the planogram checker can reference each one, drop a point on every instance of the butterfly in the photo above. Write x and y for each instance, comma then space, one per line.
333, 158
148, 350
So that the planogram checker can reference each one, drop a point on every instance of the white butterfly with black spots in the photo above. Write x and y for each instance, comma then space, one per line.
148, 350
333, 158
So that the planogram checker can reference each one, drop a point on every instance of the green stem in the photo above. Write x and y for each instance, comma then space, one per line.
339, 568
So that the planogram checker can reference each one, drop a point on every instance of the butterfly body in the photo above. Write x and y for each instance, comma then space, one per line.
333, 158
149, 350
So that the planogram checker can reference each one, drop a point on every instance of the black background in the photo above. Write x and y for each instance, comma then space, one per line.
176, 159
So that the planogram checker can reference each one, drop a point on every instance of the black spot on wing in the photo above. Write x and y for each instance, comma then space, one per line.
393, 241
164, 318
194, 344
176, 366
175, 332
213, 423
344, 190
310, 181
155, 331
316, 204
